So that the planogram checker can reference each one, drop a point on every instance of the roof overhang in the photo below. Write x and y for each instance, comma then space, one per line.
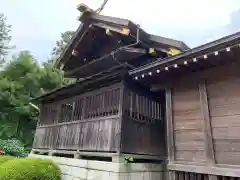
89, 83
120, 28
212, 54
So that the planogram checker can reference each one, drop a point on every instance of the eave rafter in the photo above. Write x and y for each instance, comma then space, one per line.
168, 66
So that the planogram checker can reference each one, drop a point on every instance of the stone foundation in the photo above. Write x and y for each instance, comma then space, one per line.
79, 169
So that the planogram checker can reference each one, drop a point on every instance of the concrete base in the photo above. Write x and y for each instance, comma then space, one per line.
78, 169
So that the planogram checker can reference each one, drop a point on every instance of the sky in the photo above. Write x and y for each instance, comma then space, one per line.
37, 25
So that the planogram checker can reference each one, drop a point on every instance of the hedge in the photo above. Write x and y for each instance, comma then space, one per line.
29, 169
4, 159
12, 147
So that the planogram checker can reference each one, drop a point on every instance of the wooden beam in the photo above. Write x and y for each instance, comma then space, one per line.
208, 139
212, 170
169, 123
121, 115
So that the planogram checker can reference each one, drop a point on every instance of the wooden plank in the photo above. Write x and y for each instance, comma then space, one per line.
229, 133
212, 177
226, 110
190, 156
225, 121
190, 146
227, 145
188, 135
229, 157
192, 124
211, 169
208, 139
122, 104
187, 114
170, 132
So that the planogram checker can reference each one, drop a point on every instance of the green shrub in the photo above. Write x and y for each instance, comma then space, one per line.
29, 169
12, 147
4, 159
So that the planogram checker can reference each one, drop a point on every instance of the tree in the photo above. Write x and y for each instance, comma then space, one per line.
21, 80
61, 44
4, 36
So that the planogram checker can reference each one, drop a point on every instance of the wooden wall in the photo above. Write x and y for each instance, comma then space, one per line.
187, 123
142, 124
204, 122
112, 119
87, 122
96, 135
224, 105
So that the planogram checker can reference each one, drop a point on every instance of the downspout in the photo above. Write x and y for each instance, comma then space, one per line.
127, 46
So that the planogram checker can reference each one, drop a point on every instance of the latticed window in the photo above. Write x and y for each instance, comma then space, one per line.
66, 114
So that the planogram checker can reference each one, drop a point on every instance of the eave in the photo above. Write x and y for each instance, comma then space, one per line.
207, 51
89, 83
222, 51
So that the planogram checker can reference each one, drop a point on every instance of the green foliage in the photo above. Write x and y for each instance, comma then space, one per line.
12, 147
4, 37
128, 159
61, 44
29, 169
22, 79
4, 159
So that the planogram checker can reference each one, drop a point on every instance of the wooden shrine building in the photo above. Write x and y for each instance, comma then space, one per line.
105, 112
202, 91
146, 96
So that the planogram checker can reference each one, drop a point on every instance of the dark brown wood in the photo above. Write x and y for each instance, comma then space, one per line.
122, 104
211, 169
142, 125
208, 139
116, 118
169, 119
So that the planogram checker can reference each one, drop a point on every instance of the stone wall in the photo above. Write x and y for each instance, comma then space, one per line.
78, 169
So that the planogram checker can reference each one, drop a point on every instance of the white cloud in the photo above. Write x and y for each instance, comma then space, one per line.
38, 24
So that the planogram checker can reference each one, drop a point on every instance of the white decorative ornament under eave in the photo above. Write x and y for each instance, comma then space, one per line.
74, 52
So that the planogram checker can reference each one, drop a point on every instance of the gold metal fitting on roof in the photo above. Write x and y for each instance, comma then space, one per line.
173, 51
125, 31
151, 51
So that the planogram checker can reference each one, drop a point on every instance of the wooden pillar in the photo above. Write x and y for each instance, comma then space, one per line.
121, 109
169, 126
208, 139
169, 133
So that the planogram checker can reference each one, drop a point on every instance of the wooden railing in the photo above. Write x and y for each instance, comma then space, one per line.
99, 103
100, 134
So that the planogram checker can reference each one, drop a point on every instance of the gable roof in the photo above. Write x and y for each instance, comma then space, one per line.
90, 18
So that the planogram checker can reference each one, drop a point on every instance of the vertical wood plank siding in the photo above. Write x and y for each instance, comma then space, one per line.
224, 104
86, 122
111, 119
142, 129
188, 123
206, 119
